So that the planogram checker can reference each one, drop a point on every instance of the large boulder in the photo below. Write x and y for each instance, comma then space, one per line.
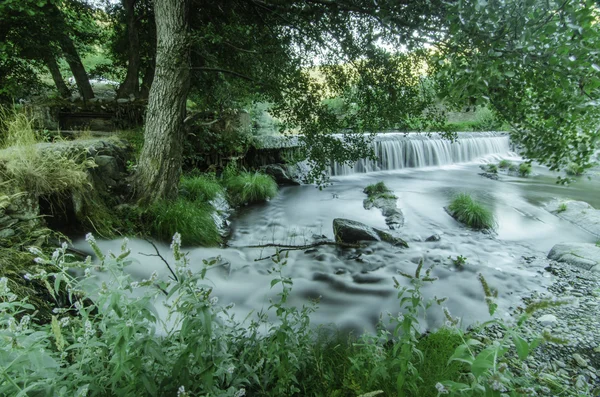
579, 213
582, 255
394, 217
281, 173
352, 232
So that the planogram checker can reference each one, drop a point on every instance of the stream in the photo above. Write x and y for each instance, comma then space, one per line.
355, 286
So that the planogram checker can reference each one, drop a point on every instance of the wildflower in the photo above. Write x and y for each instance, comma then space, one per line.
441, 388
28, 276
240, 393
230, 370
64, 322
181, 392
64, 246
87, 272
214, 300
129, 323
87, 330
134, 284
39, 260
4, 290
35, 251
55, 255
89, 238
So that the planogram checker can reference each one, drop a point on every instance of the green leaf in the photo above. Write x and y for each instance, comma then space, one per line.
522, 346
484, 361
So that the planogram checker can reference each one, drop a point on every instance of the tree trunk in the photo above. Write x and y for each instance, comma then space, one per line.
131, 85
147, 79
52, 66
159, 167
74, 61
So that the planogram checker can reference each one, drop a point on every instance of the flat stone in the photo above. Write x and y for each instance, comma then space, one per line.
547, 320
582, 362
582, 255
352, 232
433, 237
579, 213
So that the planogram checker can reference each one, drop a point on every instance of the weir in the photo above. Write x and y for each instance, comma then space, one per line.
415, 150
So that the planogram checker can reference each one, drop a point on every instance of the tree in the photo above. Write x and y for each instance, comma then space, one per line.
160, 161
295, 55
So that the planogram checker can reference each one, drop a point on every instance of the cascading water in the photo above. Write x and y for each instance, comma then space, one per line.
413, 150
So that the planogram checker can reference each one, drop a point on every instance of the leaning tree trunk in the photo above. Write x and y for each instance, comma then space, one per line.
74, 61
131, 84
61, 86
147, 79
159, 167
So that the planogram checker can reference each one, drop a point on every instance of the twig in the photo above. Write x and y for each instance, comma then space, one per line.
288, 247
161, 257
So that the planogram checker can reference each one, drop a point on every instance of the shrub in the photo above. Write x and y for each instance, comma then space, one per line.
503, 164
250, 187
201, 188
573, 170
466, 210
562, 207
193, 220
524, 169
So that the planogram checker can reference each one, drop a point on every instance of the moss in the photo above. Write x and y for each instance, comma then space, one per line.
376, 189
504, 164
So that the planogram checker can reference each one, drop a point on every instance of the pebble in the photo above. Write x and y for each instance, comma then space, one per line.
547, 320
582, 362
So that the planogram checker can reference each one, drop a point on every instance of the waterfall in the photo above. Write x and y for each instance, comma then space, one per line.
413, 150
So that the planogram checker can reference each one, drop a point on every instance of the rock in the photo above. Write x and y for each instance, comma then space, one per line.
123, 100
491, 176
582, 255
582, 362
280, 173
107, 166
433, 237
547, 320
394, 218
579, 213
352, 232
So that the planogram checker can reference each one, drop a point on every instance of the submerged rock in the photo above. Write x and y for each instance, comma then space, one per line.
433, 237
394, 218
582, 255
352, 232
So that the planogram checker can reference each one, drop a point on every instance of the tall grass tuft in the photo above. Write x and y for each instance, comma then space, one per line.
376, 189
468, 211
250, 187
193, 220
524, 169
503, 164
201, 188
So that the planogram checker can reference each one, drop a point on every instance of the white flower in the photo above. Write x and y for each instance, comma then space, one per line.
27, 276
87, 330
181, 391
64, 322
39, 260
176, 241
230, 370
129, 323
240, 393
87, 272
441, 388
55, 255
134, 284
90, 238
4, 286
35, 251
64, 245
214, 300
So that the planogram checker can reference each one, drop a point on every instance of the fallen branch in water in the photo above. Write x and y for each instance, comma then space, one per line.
289, 247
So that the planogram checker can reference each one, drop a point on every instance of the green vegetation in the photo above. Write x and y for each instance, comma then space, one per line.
203, 187
513, 168
504, 164
492, 168
573, 170
193, 220
379, 190
562, 207
459, 261
119, 346
468, 211
245, 187
524, 169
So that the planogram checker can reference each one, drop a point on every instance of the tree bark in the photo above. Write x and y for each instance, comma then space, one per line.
159, 167
131, 84
147, 79
74, 61
61, 86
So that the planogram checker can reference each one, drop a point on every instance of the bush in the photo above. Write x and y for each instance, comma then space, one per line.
376, 189
201, 188
524, 169
193, 220
573, 170
466, 210
503, 164
249, 187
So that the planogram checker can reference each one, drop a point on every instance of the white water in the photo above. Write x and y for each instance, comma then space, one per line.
396, 151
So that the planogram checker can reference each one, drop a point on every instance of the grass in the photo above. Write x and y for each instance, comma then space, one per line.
203, 188
492, 168
468, 211
249, 187
376, 189
562, 207
524, 169
504, 164
193, 220
573, 170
